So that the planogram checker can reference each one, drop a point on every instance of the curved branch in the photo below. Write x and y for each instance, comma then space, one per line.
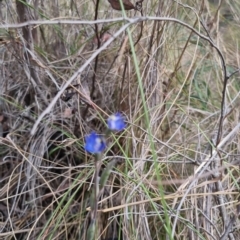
104, 46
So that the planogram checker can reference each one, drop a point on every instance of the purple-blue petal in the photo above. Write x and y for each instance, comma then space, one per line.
116, 122
94, 143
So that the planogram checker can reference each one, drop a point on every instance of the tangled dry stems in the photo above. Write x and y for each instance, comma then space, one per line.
46, 178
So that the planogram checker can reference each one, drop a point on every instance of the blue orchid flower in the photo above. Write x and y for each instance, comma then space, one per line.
116, 122
94, 143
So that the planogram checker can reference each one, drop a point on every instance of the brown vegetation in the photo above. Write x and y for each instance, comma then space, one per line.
177, 171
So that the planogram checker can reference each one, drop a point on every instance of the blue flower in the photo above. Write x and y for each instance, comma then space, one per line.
94, 143
116, 122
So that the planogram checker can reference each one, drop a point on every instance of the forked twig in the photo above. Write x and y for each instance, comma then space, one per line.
204, 165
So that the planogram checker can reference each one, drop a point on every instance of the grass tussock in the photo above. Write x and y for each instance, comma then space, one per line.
173, 173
